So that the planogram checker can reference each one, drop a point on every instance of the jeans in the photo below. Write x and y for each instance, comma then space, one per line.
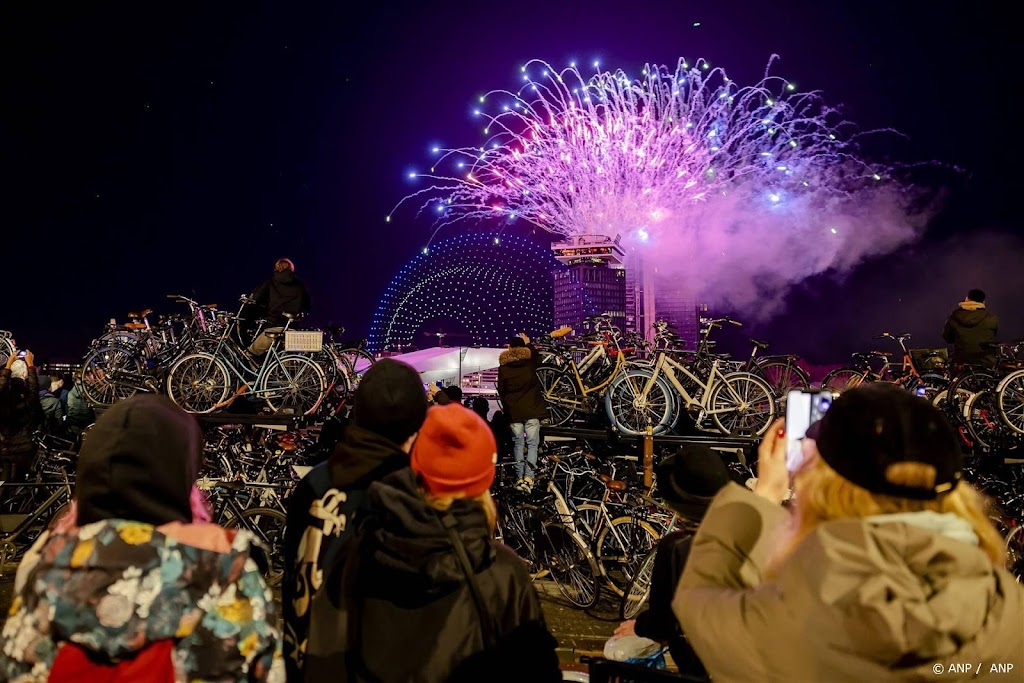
263, 343
530, 433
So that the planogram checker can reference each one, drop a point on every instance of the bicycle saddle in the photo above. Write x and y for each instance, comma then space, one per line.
612, 484
291, 316
759, 344
134, 326
274, 335
141, 314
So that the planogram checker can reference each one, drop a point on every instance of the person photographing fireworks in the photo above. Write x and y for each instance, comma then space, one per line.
283, 293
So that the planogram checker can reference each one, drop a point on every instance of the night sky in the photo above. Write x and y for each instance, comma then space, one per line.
183, 150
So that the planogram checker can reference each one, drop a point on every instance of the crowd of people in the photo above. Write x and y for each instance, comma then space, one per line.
872, 561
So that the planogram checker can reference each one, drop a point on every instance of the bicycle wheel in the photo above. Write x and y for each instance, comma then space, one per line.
294, 382
742, 404
99, 375
267, 525
635, 597
782, 376
1015, 552
357, 362
981, 417
621, 547
561, 393
630, 410
571, 565
516, 525
1010, 397
199, 383
843, 379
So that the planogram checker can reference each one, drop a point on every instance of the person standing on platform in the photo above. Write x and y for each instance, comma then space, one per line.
523, 401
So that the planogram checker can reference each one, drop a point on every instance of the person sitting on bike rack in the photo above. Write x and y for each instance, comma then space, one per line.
133, 583
972, 330
687, 481
283, 293
523, 400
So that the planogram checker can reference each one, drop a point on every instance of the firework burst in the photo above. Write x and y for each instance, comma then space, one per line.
644, 157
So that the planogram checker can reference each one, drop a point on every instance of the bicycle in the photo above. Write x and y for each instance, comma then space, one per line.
737, 402
908, 376
202, 382
266, 524
571, 387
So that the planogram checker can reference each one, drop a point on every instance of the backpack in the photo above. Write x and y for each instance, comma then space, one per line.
335, 643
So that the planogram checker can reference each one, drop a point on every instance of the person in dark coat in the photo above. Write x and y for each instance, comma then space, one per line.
523, 400
407, 610
389, 407
972, 329
20, 415
80, 411
500, 427
51, 405
687, 481
283, 293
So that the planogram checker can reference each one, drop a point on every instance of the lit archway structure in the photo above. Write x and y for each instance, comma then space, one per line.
493, 286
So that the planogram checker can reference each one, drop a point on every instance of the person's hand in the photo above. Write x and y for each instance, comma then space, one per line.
432, 391
522, 335
772, 475
30, 359
10, 360
626, 628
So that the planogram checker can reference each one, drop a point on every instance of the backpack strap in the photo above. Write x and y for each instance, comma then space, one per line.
487, 627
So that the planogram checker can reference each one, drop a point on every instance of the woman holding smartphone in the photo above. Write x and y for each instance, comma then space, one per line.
888, 570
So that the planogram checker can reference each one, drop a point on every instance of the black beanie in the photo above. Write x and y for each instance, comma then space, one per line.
690, 479
390, 400
139, 462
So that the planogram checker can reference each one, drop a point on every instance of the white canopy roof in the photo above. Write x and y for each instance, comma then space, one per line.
451, 364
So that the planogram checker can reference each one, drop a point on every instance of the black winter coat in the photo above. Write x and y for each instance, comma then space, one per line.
80, 411
658, 622
320, 515
412, 614
20, 416
969, 328
282, 293
521, 393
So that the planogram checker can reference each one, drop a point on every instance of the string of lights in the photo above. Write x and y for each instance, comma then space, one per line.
610, 154
492, 286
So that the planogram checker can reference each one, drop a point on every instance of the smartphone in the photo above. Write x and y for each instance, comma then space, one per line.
22, 353
803, 408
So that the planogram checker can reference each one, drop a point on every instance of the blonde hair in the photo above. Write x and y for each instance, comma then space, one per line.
444, 504
19, 369
822, 495
283, 264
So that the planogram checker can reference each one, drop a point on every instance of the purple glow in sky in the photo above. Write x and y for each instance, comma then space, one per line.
712, 177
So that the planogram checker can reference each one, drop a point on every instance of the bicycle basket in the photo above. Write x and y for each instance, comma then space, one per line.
305, 342
929, 359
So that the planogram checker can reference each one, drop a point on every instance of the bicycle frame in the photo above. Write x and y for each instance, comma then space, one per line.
665, 365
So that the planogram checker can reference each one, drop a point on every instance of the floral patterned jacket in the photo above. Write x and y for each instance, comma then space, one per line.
115, 587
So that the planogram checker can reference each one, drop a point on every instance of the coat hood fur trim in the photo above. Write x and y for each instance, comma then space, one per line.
514, 355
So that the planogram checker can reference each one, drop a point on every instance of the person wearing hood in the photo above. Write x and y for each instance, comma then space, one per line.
389, 407
522, 398
54, 414
972, 330
20, 415
889, 571
687, 481
134, 583
425, 575
283, 293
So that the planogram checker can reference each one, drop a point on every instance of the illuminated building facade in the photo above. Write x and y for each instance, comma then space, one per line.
593, 281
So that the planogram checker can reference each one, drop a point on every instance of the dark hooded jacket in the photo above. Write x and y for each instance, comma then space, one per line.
403, 587
521, 393
282, 293
80, 411
970, 328
319, 515
20, 416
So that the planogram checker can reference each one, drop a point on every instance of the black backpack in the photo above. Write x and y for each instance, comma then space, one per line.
334, 649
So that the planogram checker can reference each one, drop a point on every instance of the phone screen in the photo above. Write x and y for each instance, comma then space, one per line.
803, 408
